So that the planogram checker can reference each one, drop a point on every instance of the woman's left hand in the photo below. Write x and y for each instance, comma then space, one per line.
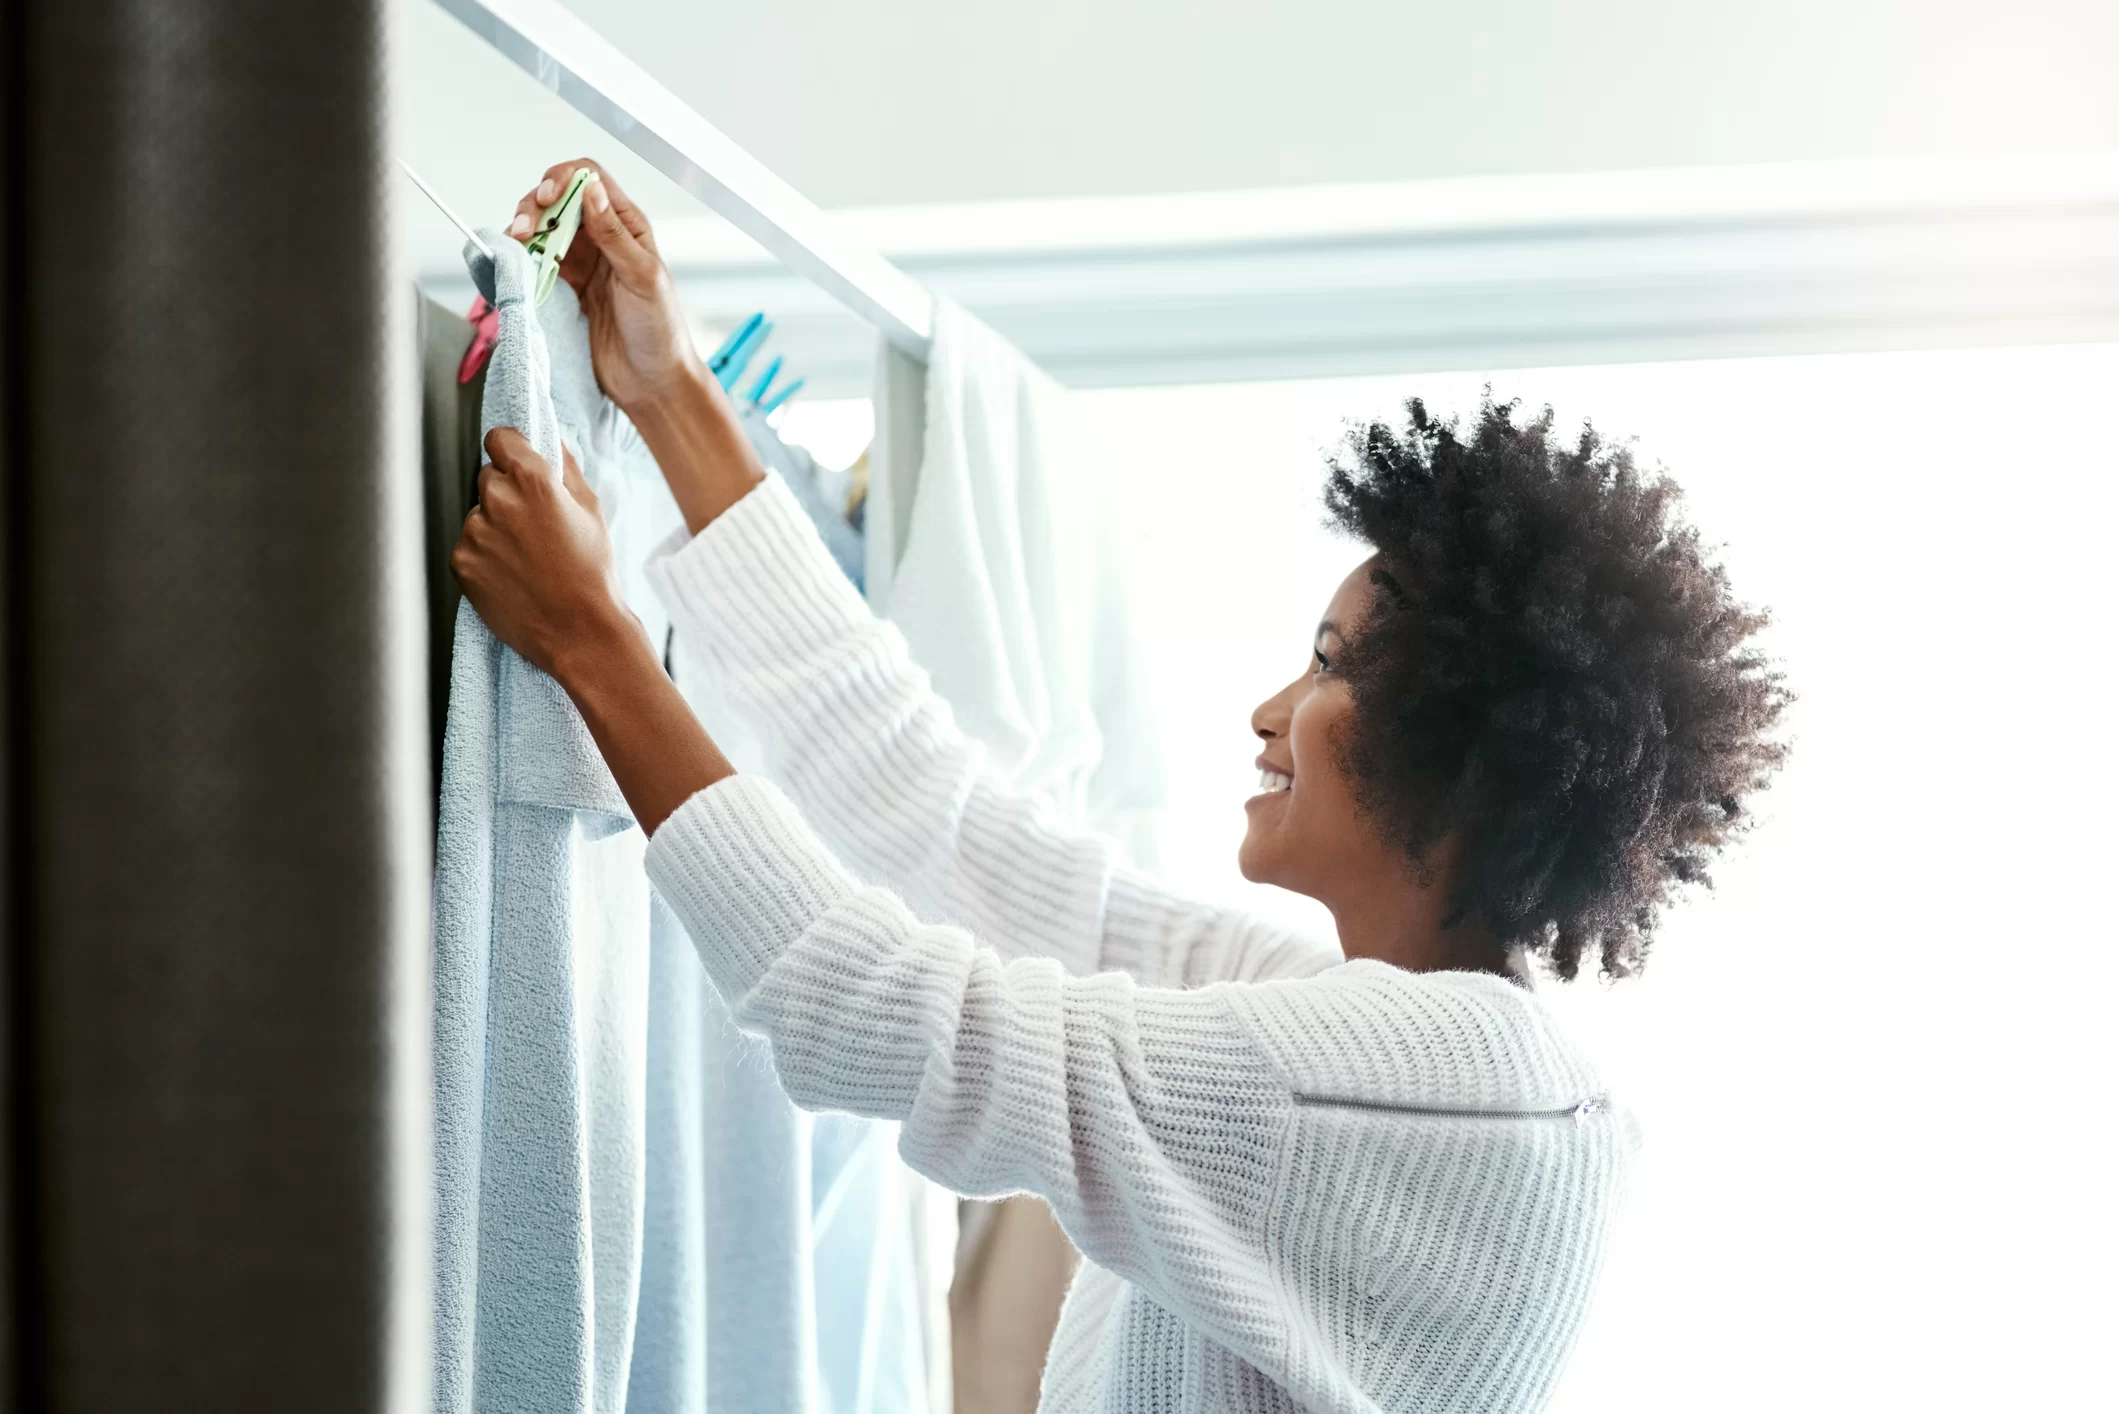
535, 560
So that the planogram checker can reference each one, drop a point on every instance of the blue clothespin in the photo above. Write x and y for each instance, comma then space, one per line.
739, 358
765, 380
782, 396
735, 354
733, 342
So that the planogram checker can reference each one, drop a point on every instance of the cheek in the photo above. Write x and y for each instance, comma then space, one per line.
1325, 810
1317, 736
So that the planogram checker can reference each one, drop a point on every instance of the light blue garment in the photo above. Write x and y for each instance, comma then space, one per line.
727, 1316
669, 1339
541, 962
871, 1345
728, 1312
762, 1336
791, 1232
625, 1196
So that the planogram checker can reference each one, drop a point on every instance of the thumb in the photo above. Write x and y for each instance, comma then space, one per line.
512, 452
633, 262
570, 476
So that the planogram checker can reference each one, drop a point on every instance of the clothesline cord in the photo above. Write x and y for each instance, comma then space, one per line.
443, 207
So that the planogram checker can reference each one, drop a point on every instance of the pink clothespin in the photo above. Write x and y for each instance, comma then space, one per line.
485, 332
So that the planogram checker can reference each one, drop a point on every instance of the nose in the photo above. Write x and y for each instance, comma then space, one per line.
1270, 718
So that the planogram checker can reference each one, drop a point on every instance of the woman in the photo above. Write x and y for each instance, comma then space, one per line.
1368, 1178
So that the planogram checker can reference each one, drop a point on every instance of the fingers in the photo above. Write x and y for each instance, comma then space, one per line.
516, 470
511, 452
572, 479
629, 215
462, 563
554, 181
473, 540
634, 260
500, 496
549, 186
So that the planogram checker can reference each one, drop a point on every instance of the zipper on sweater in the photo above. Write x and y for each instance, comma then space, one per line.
1580, 1113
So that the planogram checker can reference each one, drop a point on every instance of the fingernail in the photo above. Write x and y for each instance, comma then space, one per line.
546, 191
520, 226
598, 197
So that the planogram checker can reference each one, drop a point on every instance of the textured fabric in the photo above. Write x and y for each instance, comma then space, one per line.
871, 1351
540, 970
727, 1306
668, 1373
805, 1218
1297, 1181
999, 560
449, 460
1013, 1268
997, 554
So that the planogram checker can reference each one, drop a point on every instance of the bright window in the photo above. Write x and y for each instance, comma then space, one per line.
1874, 1068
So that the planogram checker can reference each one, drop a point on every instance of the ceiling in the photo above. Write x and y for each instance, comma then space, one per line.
965, 117
860, 104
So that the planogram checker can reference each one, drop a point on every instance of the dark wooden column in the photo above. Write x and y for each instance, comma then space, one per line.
216, 857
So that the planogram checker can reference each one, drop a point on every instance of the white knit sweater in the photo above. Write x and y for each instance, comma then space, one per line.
1299, 1182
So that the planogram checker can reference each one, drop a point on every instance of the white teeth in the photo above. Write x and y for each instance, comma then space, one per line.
1269, 781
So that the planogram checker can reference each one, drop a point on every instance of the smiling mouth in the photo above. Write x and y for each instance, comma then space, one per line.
1271, 782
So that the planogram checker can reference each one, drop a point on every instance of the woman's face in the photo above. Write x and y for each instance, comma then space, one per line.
1306, 833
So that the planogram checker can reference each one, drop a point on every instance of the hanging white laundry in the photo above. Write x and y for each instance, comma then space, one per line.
994, 544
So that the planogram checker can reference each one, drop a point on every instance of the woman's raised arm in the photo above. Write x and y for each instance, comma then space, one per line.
859, 739
876, 762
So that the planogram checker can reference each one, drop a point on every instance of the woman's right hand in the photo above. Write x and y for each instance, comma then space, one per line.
642, 348
638, 337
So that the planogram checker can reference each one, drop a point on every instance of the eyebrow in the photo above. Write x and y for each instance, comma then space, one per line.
1325, 626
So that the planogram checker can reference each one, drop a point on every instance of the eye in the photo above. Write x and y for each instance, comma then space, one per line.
1324, 664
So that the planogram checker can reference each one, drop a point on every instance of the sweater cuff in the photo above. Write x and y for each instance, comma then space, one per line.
746, 875
756, 580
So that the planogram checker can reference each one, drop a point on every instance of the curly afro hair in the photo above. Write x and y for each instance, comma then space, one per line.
1554, 671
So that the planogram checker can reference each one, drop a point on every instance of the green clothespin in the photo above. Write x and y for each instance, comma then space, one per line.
556, 230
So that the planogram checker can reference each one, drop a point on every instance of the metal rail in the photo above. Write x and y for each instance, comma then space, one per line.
563, 54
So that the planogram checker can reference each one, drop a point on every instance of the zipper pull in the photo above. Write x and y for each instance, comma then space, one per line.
1589, 1109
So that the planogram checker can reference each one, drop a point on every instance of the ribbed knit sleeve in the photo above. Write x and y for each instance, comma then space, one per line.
1340, 1188
1151, 1120
1378, 1189
879, 768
